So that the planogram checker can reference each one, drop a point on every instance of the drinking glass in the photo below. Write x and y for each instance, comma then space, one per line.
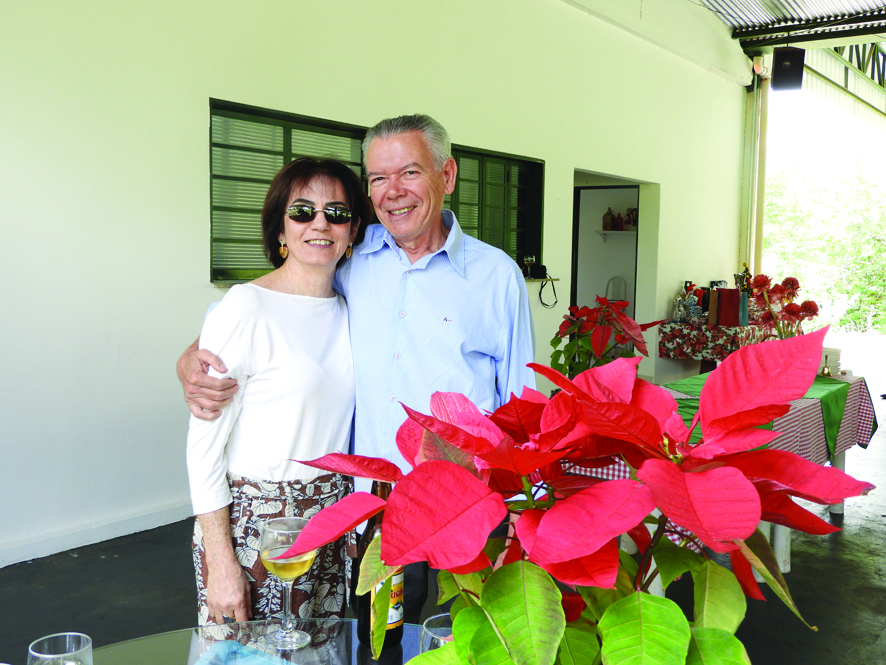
436, 631
61, 649
529, 260
277, 536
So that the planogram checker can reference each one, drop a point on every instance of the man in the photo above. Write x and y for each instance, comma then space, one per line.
429, 308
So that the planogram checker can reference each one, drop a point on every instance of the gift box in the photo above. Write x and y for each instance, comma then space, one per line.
728, 304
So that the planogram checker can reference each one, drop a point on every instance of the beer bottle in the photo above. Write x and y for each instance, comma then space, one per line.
362, 604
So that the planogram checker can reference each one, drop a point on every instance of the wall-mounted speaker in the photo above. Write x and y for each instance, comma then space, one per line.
787, 68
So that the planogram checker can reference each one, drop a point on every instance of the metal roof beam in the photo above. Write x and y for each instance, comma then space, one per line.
861, 20
806, 34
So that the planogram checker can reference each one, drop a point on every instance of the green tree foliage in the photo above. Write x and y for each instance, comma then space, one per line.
832, 237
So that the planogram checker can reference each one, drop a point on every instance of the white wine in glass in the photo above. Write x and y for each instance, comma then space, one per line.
287, 569
277, 536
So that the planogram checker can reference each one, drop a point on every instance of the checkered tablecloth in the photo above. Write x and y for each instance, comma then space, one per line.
801, 430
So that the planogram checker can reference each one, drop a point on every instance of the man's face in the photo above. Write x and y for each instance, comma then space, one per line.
406, 190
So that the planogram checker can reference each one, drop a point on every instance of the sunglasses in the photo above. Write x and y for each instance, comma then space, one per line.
304, 213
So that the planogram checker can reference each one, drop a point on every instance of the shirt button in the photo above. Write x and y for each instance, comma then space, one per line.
408, 272
402, 315
396, 356
393, 399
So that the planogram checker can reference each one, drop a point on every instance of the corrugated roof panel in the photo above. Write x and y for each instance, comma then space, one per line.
747, 14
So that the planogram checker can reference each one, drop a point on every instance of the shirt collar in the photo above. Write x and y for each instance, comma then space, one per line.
377, 237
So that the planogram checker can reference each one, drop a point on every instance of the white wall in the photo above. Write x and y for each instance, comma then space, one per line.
104, 165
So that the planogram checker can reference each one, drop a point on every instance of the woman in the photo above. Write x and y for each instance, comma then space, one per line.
284, 337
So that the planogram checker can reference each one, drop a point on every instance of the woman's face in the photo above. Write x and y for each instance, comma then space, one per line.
317, 242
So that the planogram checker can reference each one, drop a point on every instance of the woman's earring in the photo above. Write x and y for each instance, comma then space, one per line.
349, 251
284, 250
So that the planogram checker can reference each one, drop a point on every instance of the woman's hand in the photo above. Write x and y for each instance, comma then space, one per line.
227, 589
205, 395
227, 592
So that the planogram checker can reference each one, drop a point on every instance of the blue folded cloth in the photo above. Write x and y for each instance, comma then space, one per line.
230, 651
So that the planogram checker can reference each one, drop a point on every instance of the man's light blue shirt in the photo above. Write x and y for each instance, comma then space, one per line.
457, 320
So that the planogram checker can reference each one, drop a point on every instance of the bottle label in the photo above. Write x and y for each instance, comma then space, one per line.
395, 612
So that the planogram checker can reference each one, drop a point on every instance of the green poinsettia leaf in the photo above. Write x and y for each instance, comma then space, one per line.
449, 585
644, 629
523, 604
446, 586
446, 655
672, 561
459, 604
719, 600
598, 600
464, 627
757, 551
714, 646
373, 571
486, 646
627, 562
378, 615
494, 548
579, 646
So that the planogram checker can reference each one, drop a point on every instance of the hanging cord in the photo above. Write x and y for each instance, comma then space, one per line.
541, 289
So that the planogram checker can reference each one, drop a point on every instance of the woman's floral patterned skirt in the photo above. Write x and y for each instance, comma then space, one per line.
321, 592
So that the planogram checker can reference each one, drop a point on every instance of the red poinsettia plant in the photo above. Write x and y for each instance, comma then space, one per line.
596, 336
470, 471
777, 305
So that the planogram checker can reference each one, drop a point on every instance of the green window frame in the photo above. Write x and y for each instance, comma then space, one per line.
497, 197
247, 147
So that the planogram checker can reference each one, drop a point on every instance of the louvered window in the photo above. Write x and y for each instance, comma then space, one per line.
248, 147
498, 199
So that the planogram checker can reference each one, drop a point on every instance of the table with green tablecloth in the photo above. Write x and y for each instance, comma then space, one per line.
835, 414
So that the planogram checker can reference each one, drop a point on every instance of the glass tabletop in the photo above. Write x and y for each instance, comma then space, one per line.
333, 642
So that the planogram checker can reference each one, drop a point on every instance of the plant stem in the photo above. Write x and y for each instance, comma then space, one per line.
648, 581
527, 490
647, 555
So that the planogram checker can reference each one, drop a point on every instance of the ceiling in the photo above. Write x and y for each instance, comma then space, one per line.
758, 23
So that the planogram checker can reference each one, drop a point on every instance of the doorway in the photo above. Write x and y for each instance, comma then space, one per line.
604, 260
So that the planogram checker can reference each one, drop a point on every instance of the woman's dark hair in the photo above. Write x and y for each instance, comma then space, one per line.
300, 173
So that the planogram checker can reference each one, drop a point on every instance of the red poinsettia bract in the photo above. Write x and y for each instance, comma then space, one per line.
470, 470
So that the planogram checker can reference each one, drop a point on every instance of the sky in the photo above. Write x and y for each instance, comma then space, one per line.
819, 139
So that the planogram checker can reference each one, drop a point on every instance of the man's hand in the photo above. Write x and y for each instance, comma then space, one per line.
204, 395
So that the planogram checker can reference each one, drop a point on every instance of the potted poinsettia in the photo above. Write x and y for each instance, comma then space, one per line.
596, 336
558, 590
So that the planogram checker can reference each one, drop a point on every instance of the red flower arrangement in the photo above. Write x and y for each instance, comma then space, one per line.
777, 306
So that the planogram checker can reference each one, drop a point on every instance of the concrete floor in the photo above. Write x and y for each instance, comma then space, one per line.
144, 583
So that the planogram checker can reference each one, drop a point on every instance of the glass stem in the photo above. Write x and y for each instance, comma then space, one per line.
288, 622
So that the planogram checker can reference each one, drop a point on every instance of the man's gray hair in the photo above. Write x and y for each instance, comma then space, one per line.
435, 134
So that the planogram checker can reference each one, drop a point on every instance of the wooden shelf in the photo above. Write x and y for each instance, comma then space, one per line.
603, 234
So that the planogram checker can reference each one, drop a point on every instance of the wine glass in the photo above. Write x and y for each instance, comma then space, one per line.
436, 631
61, 649
529, 259
277, 536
